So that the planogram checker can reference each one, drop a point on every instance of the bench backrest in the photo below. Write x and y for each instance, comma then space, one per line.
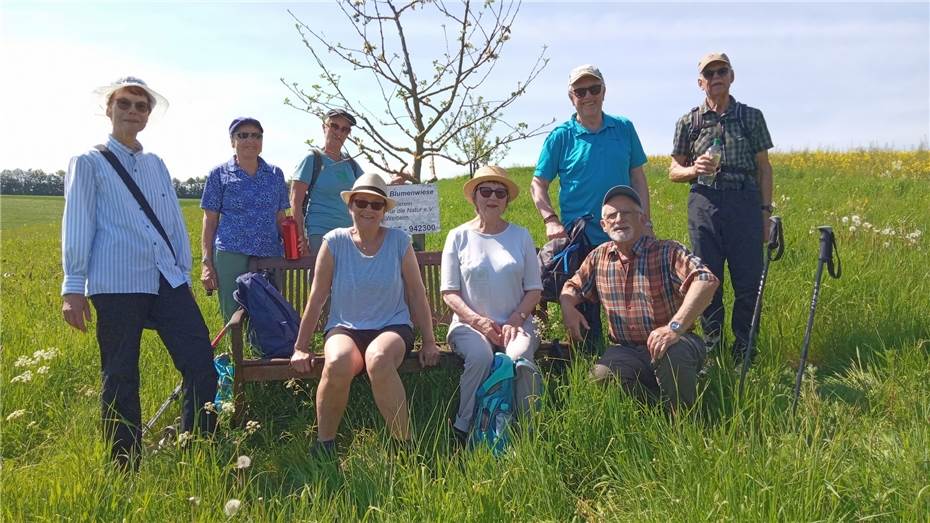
293, 278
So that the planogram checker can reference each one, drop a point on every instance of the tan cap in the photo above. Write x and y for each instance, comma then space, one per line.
710, 58
584, 70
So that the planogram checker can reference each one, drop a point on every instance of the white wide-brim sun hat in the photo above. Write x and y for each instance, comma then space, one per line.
103, 93
370, 184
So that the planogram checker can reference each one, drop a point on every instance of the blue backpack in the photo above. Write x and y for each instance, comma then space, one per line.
273, 322
494, 405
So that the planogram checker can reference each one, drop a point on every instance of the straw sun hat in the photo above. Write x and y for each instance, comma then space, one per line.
490, 173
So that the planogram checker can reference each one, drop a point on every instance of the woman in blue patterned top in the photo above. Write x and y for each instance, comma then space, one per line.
377, 292
243, 204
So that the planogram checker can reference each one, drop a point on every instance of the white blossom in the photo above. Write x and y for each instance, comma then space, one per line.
15, 414
243, 462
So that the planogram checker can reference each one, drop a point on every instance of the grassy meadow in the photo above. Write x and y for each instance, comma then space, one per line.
858, 448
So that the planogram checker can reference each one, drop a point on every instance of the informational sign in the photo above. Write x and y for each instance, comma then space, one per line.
417, 209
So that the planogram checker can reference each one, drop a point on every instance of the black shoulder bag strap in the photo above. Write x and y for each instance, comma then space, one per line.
136, 193
314, 176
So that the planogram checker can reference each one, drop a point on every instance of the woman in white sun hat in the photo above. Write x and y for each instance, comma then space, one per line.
371, 275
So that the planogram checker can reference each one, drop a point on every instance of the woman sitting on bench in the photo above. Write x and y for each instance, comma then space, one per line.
491, 281
369, 326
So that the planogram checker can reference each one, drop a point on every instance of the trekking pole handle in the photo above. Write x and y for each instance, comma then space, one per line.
776, 243
828, 251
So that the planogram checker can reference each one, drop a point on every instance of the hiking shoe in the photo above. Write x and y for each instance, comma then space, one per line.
459, 438
323, 449
738, 351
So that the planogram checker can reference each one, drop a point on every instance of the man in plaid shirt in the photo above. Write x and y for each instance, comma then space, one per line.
730, 199
653, 291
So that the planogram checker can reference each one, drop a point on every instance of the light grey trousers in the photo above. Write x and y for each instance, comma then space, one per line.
478, 354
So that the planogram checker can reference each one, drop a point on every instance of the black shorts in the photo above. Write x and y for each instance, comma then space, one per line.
364, 337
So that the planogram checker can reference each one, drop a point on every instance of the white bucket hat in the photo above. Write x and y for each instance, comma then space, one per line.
160, 103
370, 184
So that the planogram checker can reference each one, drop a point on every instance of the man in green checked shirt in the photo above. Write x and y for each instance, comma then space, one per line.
730, 199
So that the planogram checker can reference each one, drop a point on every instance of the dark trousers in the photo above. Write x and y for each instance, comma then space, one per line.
673, 378
177, 319
595, 335
726, 226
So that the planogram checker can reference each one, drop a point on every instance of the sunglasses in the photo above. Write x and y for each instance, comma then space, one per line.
581, 92
486, 192
245, 136
336, 127
364, 204
710, 73
124, 104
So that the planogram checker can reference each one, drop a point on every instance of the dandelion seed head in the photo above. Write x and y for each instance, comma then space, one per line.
845, 220
194, 500
232, 506
243, 462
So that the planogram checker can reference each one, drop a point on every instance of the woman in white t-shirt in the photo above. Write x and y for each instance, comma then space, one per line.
491, 281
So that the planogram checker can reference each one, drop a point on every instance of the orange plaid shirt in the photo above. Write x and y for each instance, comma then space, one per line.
639, 293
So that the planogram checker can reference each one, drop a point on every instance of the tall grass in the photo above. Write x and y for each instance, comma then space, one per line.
858, 448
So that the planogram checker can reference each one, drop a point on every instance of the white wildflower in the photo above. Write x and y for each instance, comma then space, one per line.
232, 506
194, 500
42, 370
22, 378
886, 244
44, 355
252, 426
866, 225
852, 228
209, 407
243, 462
897, 165
845, 220
15, 414
856, 220
23, 361
32, 424
888, 231
184, 437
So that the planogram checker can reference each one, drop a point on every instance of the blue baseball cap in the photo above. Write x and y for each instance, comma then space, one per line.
244, 120
622, 190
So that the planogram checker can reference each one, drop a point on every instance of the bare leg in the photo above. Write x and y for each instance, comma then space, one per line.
384, 355
343, 362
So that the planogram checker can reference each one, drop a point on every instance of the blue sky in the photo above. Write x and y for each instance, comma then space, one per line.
826, 75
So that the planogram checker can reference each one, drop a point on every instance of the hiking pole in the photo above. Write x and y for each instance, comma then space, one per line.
177, 390
827, 250
775, 250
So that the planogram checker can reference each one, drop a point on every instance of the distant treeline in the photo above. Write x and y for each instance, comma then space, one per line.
39, 183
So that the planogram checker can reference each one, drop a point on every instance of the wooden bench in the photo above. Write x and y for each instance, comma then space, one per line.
292, 278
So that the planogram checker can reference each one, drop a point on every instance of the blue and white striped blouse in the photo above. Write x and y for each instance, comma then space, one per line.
108, 245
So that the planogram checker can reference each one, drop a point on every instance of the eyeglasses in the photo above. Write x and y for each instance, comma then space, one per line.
245, 136
336, 127
625, 215
364, 204
581, 92
486, 192
709, 73
141, 107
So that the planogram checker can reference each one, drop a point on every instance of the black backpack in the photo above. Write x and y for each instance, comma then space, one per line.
560, 258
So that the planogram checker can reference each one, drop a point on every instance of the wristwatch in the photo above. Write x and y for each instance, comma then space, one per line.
676, 327
769, 208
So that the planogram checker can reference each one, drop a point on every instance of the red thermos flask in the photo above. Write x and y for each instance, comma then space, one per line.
291, 241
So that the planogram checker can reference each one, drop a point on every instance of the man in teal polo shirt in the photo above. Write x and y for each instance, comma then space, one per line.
590, 153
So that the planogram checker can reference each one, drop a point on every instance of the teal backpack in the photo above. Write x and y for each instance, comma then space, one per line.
494, 405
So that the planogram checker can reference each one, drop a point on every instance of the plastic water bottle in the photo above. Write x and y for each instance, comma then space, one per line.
714, 151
